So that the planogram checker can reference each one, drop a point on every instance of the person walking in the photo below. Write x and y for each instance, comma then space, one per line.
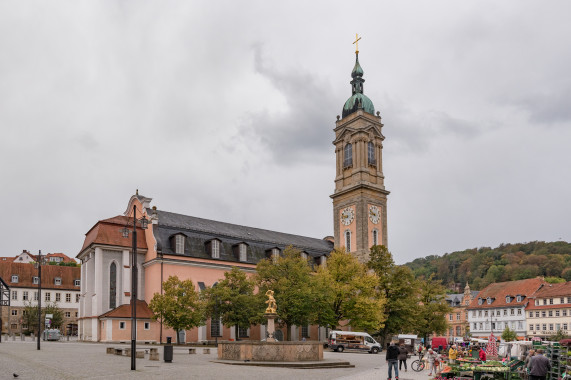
392, 360
431, 358
539, 366
403, 355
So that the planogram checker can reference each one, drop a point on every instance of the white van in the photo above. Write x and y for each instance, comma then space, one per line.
340, 341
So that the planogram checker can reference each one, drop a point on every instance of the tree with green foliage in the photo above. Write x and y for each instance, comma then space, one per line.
290, 277
509, 335
399, 289
559, 335
30, 316
351, 293
233, 300
179, 307
432, 308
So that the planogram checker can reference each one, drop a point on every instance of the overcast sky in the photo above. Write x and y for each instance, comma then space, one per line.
225, 109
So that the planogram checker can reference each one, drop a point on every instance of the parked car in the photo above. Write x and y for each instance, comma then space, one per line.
340, 341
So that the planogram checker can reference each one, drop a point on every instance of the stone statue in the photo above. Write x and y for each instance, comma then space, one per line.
272, 307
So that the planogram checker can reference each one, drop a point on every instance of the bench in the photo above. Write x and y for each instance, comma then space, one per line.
191, 351
118, 351
206, 350
140, 354
110, 350
154, 355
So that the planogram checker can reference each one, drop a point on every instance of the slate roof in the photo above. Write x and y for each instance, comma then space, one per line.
454, 299
499, 290
199, 231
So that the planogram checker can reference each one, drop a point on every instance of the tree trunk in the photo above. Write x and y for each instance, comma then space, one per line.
237, 332
177, 336
288, 337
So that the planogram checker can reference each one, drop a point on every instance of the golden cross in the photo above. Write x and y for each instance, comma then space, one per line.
356, 42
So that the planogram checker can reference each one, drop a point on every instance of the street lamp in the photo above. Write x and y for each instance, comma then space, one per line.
161, 333
134, 275
38, 265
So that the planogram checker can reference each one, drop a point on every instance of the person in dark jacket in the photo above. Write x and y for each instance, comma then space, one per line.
539, 366
392, 360
403, 355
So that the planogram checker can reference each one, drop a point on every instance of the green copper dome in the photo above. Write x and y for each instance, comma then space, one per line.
358, 100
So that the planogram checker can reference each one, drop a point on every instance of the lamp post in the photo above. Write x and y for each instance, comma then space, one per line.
161, 333
134, 275
38, 265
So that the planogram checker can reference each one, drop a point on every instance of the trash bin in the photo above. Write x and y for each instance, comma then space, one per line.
168, 351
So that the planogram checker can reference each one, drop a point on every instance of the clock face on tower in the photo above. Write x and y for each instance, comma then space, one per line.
347, 216
374, 214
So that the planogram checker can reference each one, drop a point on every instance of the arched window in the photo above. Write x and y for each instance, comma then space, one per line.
348, 156
375, 237
113, 286
371, 153
348, 240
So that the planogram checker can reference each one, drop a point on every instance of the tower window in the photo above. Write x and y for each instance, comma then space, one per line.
371, 154
113, 286
348, 240
348, 156
375, 237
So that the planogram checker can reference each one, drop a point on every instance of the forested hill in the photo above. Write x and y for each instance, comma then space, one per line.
482, 266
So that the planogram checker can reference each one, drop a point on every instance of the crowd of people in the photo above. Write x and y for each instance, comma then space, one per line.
536, 364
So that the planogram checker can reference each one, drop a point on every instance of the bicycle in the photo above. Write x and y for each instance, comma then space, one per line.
418, 364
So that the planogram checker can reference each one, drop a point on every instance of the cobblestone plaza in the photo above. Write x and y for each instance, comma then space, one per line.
75, 360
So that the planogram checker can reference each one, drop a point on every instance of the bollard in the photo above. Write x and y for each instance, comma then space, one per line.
154, 356
168, 351
128, 352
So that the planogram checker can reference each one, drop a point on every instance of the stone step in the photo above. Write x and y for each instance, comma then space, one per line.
293, 365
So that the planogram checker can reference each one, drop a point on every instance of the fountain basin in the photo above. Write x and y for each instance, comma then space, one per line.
271, 351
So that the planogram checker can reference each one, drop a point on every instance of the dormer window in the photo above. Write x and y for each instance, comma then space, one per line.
35, 280
242, 252
489, 300
480, 301
215, 249
508, 299
518, 298
303, 255
14, 278
273, 254
178, 242
76, 282
57, 281
321, 261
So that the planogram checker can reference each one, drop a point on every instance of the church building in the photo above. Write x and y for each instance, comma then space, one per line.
202, 250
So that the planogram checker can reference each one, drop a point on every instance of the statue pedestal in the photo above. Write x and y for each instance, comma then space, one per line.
271, 326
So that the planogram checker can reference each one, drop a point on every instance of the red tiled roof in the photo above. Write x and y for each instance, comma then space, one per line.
499, 290
26, 273
124, 311
531, 306
108, 232
65, 258
554, 290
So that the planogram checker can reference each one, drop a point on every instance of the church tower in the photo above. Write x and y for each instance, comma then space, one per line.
360, 198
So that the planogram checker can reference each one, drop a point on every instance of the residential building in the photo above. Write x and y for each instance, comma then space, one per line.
458, 318
60, 285
203, 250
500, 305
549, 311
